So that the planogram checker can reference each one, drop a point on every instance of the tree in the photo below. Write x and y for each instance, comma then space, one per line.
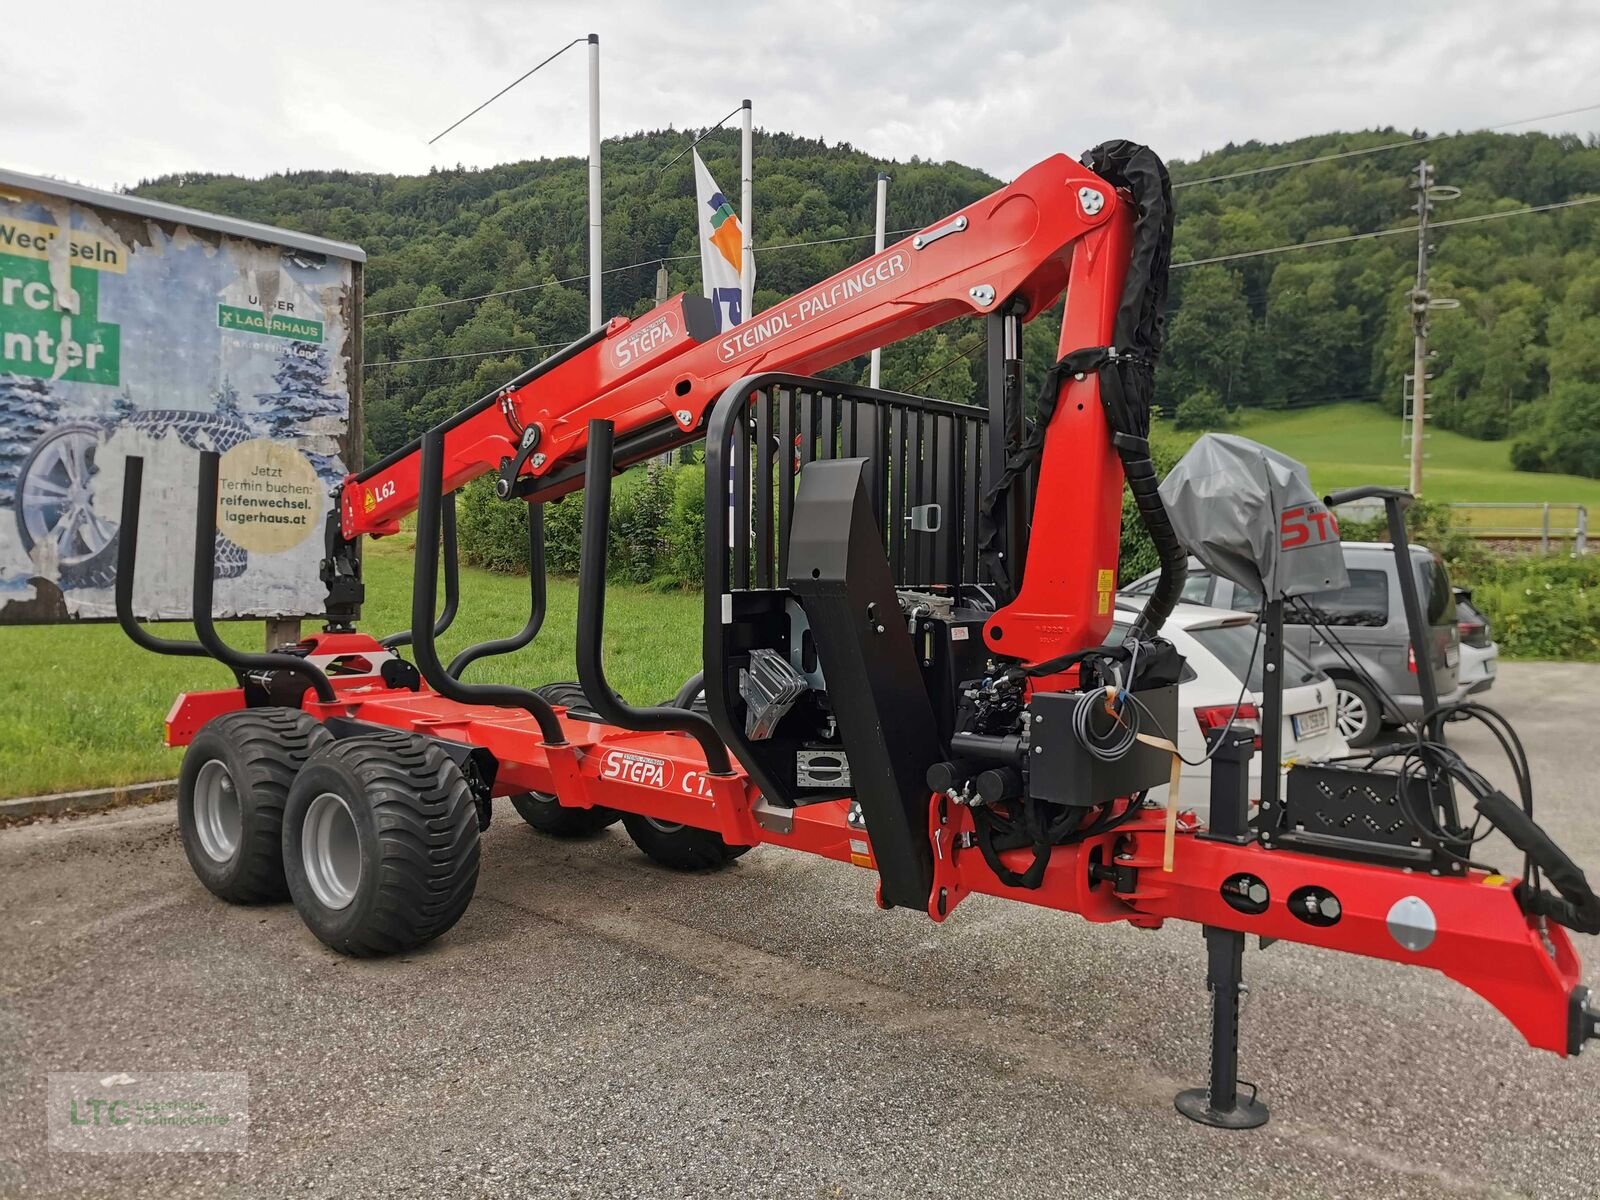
27, 412
225, 398
1211, 342
292, 413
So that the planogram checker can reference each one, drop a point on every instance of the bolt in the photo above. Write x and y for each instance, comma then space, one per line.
1038, 749
685, 417
538, 461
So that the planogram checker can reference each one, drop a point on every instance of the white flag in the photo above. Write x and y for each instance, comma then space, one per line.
721, 247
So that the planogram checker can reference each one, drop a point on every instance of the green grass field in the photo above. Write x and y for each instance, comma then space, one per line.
1348, 444
82, 707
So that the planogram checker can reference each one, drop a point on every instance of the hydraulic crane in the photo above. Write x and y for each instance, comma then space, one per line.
905, 607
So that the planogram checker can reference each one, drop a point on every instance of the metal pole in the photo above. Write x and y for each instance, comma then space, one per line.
877, 248
595, 279
1544, 539
1419, 327
747, 257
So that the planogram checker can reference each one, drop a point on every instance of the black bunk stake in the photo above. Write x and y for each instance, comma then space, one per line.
1219, 1104
536, 602
592, 617
425, 593
242, 664
127, 559
452, 580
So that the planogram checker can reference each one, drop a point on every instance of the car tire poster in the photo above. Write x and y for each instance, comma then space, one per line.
128, 328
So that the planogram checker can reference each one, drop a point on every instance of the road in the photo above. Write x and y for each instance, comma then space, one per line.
598, 1027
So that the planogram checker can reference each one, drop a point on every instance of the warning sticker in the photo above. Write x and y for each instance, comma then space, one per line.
1107, 581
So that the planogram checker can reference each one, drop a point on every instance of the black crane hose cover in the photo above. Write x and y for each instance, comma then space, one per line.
1127, 379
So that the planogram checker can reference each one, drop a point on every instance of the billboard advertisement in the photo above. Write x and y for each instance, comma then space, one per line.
134, 328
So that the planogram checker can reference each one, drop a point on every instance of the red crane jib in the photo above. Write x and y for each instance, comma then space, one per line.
1031, 239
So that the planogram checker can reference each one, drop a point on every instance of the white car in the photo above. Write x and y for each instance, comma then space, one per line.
1217, 646
1480, 655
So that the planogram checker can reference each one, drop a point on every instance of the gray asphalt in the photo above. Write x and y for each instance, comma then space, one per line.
598, 1027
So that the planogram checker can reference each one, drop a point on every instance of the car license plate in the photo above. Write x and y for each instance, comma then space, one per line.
1452, 657
1309, 724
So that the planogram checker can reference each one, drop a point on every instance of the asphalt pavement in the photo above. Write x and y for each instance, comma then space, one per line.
596, 1026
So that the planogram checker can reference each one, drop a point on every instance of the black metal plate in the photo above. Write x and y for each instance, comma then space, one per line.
1350, 812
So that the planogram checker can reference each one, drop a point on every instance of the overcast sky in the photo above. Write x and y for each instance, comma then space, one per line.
123, 90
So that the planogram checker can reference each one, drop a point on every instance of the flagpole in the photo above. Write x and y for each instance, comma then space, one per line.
747, 258
877, 248
595, 279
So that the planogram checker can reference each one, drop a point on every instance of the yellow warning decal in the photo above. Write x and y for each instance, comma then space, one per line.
1107, 582
1105, 603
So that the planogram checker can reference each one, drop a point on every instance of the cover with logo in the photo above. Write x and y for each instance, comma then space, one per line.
1248, 512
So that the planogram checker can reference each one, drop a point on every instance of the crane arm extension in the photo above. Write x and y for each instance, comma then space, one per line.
655, 376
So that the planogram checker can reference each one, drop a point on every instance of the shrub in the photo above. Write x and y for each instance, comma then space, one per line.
644, 517
491, 533
1201, 410
686, 529
1542, 607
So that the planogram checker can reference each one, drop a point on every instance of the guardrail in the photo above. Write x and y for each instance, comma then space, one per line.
1548, 523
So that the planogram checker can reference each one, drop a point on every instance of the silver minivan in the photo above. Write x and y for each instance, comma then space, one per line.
1369, 622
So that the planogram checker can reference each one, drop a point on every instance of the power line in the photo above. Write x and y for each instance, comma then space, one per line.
698, 140
949, 362
1382, 233
405, 362
507, 88
1321, 158
1194, 262
534, 287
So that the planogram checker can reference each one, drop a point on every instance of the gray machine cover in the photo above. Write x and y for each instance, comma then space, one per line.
1248, 513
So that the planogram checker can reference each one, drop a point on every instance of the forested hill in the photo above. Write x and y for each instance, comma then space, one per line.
1521, 358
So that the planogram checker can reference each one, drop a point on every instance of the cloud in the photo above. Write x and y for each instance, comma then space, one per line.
362, 84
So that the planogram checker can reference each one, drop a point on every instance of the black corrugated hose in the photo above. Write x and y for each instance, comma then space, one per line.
1127, 368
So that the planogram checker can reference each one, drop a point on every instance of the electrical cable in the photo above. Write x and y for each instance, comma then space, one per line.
1421, 141
1383, 233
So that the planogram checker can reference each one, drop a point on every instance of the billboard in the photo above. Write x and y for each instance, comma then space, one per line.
134, 328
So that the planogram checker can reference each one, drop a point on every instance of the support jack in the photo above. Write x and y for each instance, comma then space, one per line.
1219, 1104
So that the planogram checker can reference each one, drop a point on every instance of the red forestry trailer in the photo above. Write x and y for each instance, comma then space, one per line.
906, 602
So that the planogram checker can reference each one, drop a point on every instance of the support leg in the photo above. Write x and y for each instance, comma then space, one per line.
1219, 1103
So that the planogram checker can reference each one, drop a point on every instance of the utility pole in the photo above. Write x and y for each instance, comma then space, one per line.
877, 248
596, 308
1422, 301
747, 256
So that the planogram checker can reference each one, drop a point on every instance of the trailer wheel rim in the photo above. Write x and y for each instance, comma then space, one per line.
331, 850
664, 826
57, 500
218, 821
1350, 714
